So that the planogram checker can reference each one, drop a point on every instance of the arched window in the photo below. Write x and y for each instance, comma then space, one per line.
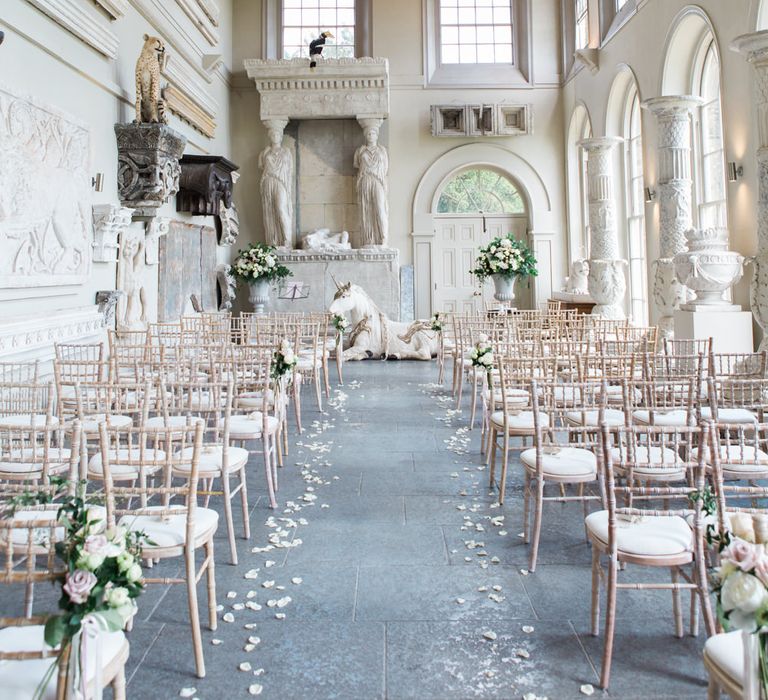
480, 190
635, 206
709, 152
578, 212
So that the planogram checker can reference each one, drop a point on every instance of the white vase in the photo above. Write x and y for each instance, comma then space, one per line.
709, 269
259, 294
505, 289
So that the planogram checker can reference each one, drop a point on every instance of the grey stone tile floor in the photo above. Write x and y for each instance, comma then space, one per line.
386, 601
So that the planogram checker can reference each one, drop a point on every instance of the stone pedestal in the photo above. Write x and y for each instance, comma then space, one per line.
731, 331
377, 271
673, 116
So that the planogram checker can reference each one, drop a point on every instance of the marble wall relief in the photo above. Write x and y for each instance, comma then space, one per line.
45, 195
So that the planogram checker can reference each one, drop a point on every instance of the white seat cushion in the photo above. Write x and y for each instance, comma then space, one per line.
735, 458
515, 397
670, 418
567, 394
651, 536
40, 535
250, 426
211, 458
733, 416
726, 651
127, 471
170, 530
653, 461
25, 420
307, 364
517, 420
90, 424
173, 422
20, 679
58, 460
591, 417
567, 461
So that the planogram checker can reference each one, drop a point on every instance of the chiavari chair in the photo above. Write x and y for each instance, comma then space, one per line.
25, 404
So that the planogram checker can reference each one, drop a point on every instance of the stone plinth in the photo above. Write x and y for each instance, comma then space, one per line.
731, 331
377, 271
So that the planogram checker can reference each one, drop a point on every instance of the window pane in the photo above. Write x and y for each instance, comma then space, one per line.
303, 20
484, 15
503, 54
468, 54
485, 53
449, 53
467, 35
480, 189
481, 28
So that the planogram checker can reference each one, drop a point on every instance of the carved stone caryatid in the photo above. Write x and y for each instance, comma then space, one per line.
131, 267
372, 162
109, 220
673, 117
107, 301
226, 285
155, 228
147, 165
755, 48
276, 163
607, 284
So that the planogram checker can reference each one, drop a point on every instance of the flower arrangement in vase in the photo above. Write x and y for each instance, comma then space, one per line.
504, 260
257, 266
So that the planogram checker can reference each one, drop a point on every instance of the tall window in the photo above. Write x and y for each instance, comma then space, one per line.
709, 159
635, 207
475, 31
582, 23
304, 20
578, 210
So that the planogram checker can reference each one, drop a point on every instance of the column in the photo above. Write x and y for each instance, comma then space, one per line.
755, 49
607, 283
276, 164
673, 118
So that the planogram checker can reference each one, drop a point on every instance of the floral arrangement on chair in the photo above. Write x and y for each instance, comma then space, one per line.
482, 354
283, 361
507, 257
437, 322
99, 590
259, 262
340, 323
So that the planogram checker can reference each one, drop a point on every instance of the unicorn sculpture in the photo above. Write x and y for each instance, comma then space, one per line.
374, 335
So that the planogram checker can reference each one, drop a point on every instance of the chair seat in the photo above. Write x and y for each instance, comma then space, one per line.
566, 462
746, 459
567, 394
647, 536
40, 536
732, 416
308, 364
171, 530
517, 420
20, 679
153, 457
211, 459
516, 397
58, 460
671, 418
26, 420
659, 462
591, 417
725, 651
91, 423
173, 422
250, 427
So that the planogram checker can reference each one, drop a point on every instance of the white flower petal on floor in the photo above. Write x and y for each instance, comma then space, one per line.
187, 692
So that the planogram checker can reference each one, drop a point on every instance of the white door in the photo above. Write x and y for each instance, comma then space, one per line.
457, 241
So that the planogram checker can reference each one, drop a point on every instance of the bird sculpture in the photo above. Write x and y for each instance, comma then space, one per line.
316, 48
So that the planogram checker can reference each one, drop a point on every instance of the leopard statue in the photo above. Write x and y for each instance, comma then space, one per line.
150, 107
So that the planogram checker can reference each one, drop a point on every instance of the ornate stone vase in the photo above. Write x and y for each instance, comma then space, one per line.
259, 294
505, 289
709, 269
607, 286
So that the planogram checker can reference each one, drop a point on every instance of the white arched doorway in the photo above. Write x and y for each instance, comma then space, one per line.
448, 225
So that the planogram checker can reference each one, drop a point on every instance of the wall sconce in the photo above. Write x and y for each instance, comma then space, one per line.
650, 195
734, 171
97, 182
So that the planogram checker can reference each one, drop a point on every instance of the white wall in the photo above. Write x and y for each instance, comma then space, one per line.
640, 44
42, 59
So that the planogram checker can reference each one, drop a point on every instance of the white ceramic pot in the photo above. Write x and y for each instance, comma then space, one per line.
259, 294
708, 268
505, 289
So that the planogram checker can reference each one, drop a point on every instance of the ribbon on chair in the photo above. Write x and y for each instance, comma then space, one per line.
84, 645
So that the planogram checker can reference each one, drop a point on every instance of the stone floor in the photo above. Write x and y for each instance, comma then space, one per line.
386, 489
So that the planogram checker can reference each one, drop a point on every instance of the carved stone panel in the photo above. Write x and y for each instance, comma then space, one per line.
187, 266
45, 195
108, 222
148, 165
205, 184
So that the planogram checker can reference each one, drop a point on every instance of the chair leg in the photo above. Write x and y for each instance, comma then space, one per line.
677, 612
474, 402
118, 685
610, 622
694, 621
228, 517
268, 471
713, 689
327, 379
210, 576
504, 465
527, 508
537, 515
318, 391
29, 598
279, 445
244, 504
491, 457
197, 639
297, 405
595, 591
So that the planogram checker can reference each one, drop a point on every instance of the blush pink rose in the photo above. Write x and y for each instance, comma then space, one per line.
95, 543
79, 585
761, 570
743, 554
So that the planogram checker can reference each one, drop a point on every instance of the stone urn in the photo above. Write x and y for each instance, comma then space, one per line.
709, 269
607, 287
505, 289
259, 294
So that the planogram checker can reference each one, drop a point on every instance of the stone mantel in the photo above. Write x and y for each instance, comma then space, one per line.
388, 255
338, 88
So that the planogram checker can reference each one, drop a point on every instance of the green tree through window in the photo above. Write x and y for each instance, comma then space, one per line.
480, 189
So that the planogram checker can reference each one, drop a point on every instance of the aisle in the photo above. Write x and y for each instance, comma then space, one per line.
398, 570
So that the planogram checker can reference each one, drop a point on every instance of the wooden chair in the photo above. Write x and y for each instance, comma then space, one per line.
671, 538
174, 529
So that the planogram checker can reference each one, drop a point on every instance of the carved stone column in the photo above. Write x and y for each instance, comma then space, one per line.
673, 117
755, 48
607, 284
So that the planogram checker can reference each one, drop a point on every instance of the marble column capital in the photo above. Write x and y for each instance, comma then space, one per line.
672, 106
275, 124
754, 46
600, 143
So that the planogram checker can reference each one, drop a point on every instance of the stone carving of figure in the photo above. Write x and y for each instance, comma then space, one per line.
372, 163
132, 313
276, 164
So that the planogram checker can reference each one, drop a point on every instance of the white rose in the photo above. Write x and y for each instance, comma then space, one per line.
270, 261
482, 339
134, 573
118, 597
506, 243
288, 357
743, 593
